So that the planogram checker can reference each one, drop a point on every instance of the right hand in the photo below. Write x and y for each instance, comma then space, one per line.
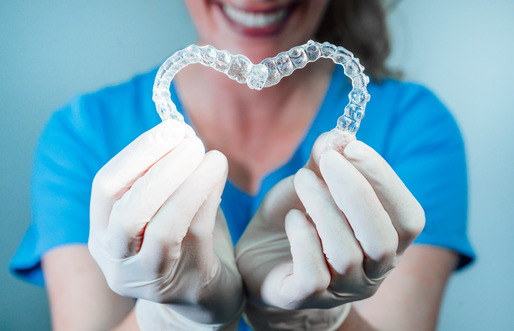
326, 237
157, 231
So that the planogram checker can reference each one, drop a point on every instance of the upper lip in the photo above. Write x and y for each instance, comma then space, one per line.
262, 10
272, 27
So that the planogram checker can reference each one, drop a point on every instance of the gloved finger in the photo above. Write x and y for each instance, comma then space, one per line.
404, 210
118, 175
223, 244
138, 205
339, 244
278, 202
199, 237
335, 139
370, 223
166, 231
310, 272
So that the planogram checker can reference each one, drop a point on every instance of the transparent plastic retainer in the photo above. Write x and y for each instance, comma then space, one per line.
267, 73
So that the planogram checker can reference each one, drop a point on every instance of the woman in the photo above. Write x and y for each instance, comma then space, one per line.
319, 242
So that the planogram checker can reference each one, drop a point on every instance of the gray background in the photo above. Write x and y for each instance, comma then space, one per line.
51, 50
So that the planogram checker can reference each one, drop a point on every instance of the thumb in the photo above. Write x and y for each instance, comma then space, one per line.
335, 139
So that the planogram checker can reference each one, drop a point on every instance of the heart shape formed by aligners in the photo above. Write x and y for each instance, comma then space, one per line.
267, 73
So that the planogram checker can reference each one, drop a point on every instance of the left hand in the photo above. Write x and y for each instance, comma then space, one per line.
158, 234
328, 235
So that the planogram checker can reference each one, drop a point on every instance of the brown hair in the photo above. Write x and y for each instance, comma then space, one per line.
359, 26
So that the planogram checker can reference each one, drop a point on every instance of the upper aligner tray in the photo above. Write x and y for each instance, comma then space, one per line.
267, 73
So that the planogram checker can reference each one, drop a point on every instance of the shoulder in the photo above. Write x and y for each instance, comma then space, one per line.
411, 100
395, 107
406, 100
406, 116
107, 119
129, 101
134, 92
76, 142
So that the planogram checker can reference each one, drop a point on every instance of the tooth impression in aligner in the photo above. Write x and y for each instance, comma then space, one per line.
267, 73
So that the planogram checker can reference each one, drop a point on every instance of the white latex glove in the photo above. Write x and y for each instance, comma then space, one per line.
158, 234
325, 237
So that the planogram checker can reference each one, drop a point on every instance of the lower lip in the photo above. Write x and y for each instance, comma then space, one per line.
267, 31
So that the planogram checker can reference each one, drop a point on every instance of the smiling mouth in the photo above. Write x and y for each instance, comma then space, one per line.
258, 23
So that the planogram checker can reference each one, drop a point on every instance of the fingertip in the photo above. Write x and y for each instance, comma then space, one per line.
219, 157
306, 182
170, 129
330, 159
319, 146
196, 144
302, 175
219, 162
189, 131
357, 150
367, 161
294, 220
299, 230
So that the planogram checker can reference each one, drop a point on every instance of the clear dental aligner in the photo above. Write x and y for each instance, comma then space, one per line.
267, 73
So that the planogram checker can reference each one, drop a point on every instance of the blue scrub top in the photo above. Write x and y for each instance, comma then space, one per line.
404, 122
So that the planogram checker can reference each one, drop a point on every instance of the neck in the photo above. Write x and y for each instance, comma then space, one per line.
209, 94
256, 130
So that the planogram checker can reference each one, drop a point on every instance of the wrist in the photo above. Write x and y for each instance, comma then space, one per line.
272, 318
156, 316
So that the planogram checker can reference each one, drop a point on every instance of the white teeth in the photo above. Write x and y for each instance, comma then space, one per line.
253, 20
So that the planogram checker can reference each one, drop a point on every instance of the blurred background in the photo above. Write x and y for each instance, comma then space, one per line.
51, 50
